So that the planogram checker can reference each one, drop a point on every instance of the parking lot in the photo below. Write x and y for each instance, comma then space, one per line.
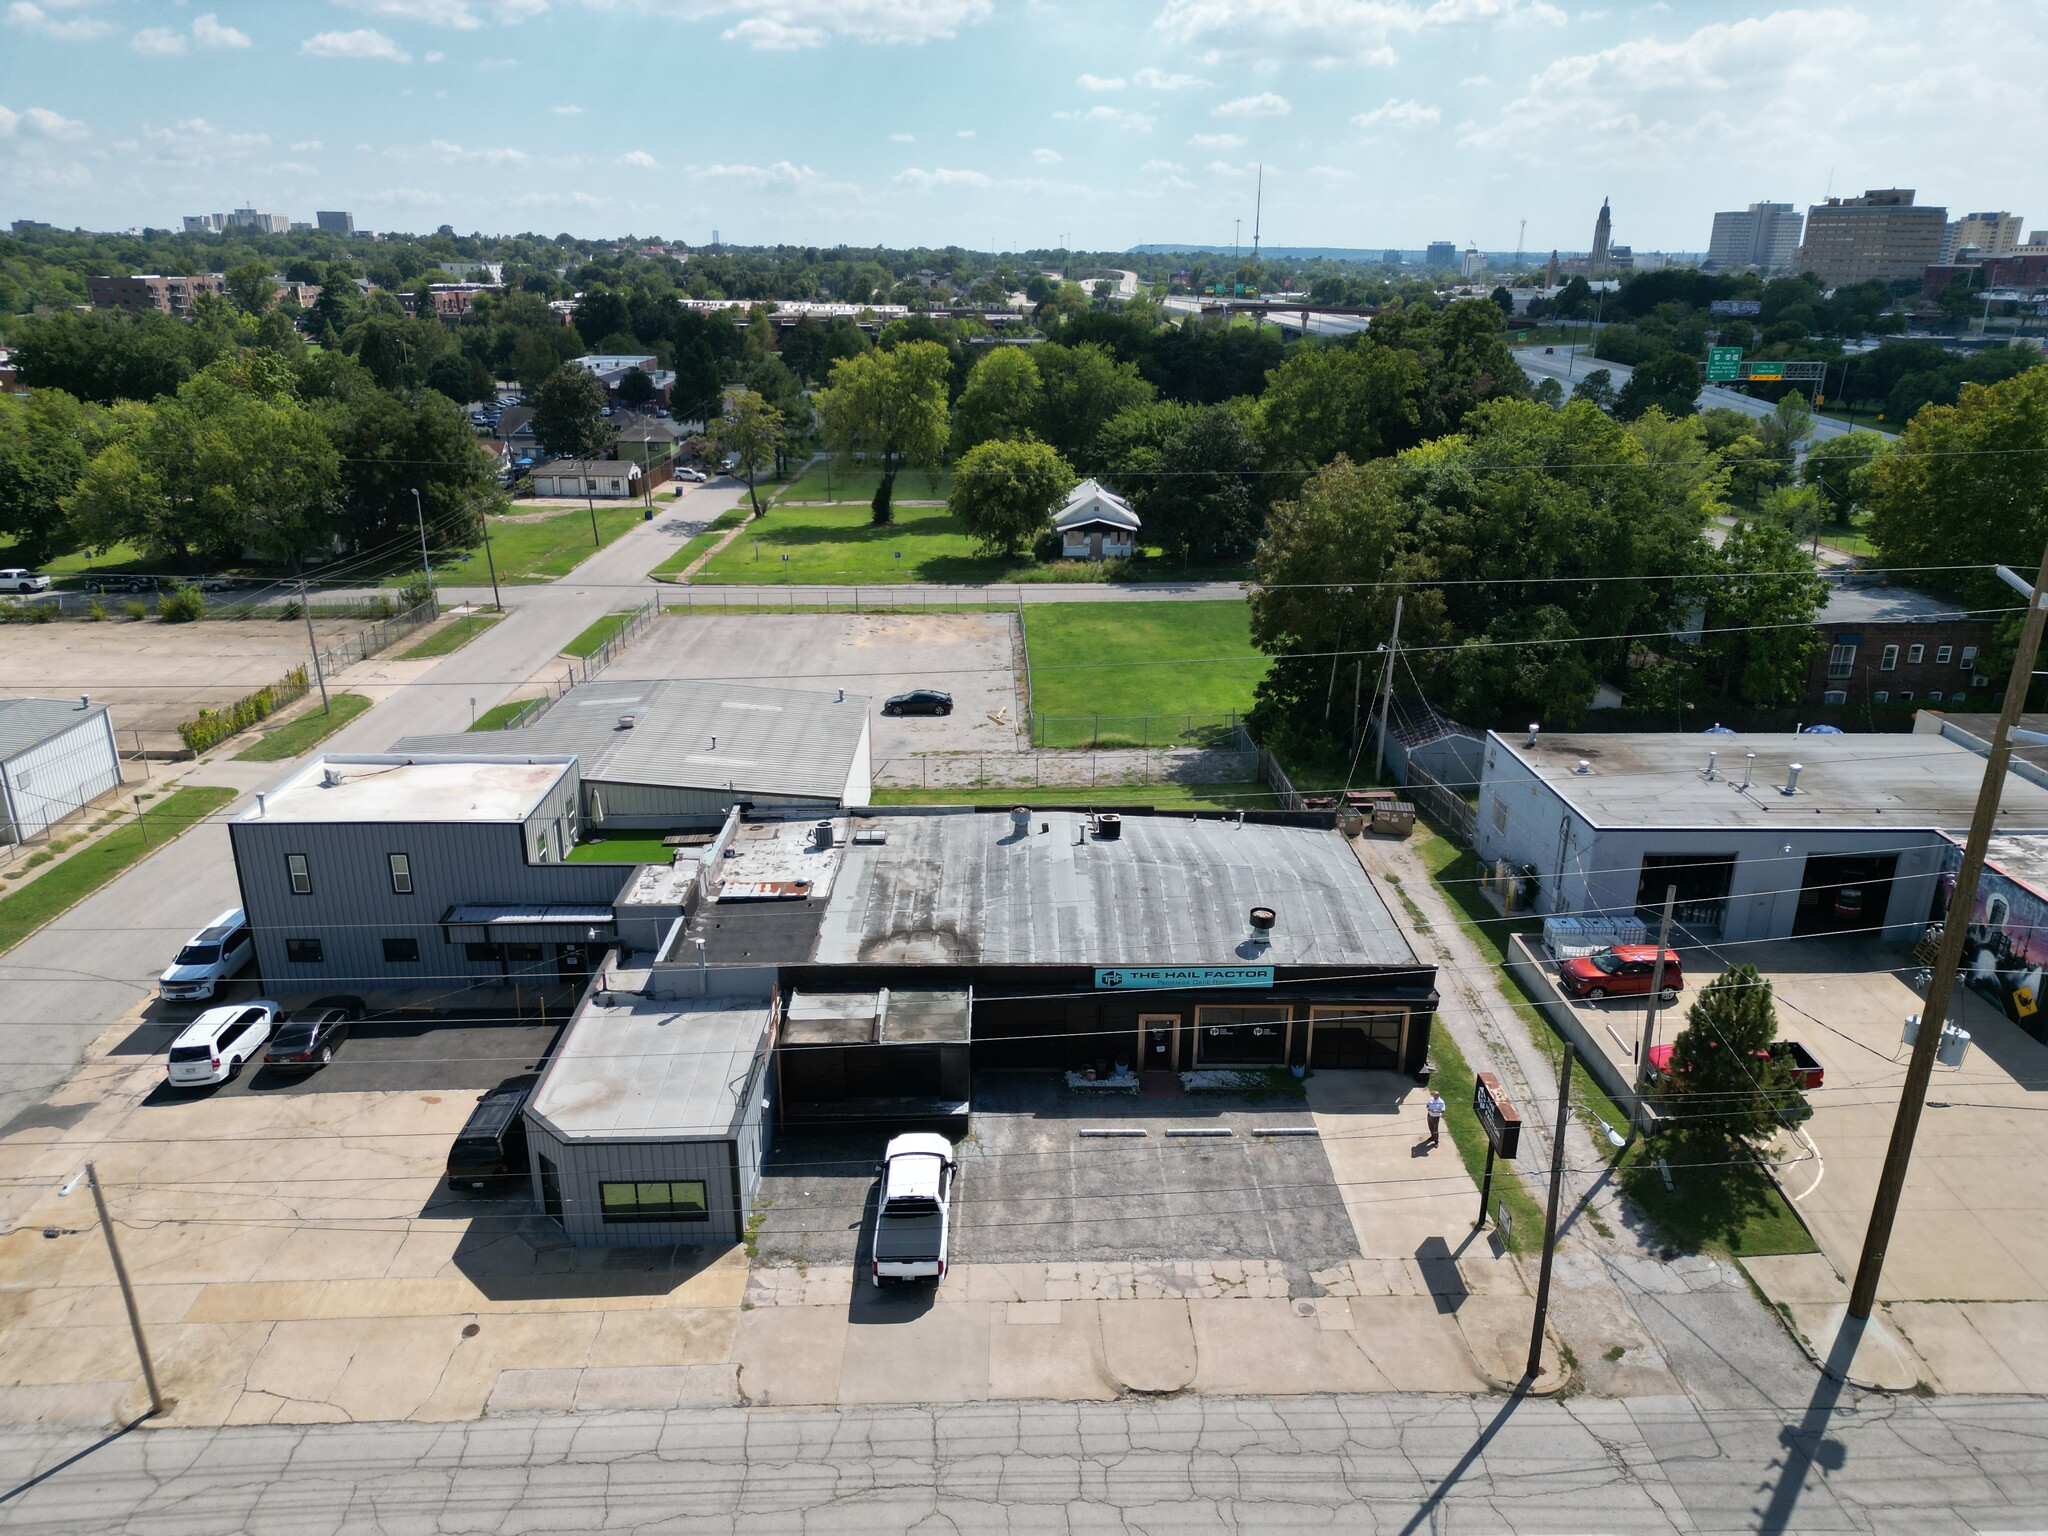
969, 655
1033, 1189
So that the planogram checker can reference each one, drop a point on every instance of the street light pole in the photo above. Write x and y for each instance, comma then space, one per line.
425, 564
99, 1204
1891, 1182
1641, 1107
1564, 1102
491, 560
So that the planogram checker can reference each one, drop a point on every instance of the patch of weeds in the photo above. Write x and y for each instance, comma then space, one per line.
37, 858
1614, 1354
752, 1237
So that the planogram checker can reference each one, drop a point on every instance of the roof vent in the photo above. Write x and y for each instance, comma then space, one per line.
329, 779
1020, 820
1534, 729
1585, 766
1263, 919
1792, 779
262, 801
1711, 758
85, 701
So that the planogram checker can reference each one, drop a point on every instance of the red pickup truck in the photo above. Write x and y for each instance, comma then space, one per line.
1807, 1072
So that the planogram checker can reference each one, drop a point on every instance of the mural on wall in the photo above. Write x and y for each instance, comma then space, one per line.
2006, 951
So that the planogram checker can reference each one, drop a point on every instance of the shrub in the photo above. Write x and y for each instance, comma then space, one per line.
135, 608
27, 613
214, 726
291, 610
181, 605
97, 612
411, 597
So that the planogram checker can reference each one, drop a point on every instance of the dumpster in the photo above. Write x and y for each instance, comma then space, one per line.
1393, 818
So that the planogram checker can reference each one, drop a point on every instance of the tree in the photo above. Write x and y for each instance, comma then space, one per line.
1003, 401
750, 430
1526, 661
1758, 608
1550, 392
891, 404
636, 388
250, 287
1670, 383
1204, 504
1789, 424
1084, 388
1505, 299
1597, 390
454, 375
47, 439
568, 414
1838, 468
1004, 493
390, 447
1575, 300
1360, 400
1725, 1091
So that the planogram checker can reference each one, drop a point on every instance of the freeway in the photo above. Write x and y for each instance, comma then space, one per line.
1569, 369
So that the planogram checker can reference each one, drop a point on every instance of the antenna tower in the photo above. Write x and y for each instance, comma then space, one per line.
1258, 208
1520, 235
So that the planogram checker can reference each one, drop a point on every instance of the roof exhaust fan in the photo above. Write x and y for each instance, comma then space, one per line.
1711, 757
1792, 779
1262, 921
1534, 730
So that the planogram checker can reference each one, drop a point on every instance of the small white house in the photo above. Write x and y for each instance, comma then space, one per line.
1096, 524
56, 755
587, 477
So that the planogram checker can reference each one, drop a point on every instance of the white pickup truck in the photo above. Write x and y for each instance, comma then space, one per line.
911, 1218
15, 579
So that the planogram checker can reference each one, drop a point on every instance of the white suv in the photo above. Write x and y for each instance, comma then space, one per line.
216, 1044
209, 957
14, 579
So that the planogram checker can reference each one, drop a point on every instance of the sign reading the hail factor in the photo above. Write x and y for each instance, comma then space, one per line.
1141, 978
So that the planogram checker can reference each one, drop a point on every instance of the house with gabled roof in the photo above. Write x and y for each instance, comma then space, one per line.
1096, 524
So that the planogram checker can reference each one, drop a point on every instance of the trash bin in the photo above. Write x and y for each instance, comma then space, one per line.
647, 514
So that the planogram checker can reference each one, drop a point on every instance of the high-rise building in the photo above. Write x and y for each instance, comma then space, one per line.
1880, 236
205, 223
257, 219
1391, 258
336, 223
1993, 234
1603, 236
1553, 273
1440, 255
1471, 262
1763, 235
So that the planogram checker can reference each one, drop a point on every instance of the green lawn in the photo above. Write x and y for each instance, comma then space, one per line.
592, 640
499, 716
841, 546
526, 552
26, 909
452, 638
823, 482
622, 850
698, 543
1167, 797
306, 732
121, 557
1117, 662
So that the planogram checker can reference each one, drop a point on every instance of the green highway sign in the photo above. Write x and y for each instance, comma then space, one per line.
1722, 363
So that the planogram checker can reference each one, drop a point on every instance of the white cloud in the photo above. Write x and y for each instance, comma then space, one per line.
902, 138
207, 32
1047, 156
304, 145
1216, 141
641, 158
434, 58
1331, 173
1118, 117
39, 122
1398, 114
37, 22
497, 63
941, 177
363, 43
455, 154
566, 111
158, 40
1100, 83
964, 133
1265, 104
1163, 167
198, 143
1476, 80
789, 24
1151, 79
463, 15
782, 174
1279, 30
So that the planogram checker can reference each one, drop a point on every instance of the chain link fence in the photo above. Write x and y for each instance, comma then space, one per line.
1052, 770
1095, 733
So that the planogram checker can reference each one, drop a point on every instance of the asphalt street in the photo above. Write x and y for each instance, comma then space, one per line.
1570, 369
1390, 1463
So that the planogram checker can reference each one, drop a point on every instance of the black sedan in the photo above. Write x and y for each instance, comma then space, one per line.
920, 701
308, 1038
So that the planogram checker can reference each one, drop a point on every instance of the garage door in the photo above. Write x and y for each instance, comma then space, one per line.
1356, 1039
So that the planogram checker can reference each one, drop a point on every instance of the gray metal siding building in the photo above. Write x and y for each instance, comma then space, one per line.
56, 755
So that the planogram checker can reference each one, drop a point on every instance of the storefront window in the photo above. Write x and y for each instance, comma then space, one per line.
1240, 1036
649, 1200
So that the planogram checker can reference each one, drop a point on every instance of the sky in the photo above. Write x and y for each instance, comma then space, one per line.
1015, 124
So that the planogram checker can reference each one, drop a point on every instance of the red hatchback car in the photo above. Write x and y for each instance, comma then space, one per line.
1622, 971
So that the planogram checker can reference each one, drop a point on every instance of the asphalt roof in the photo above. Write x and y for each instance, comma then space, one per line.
26, 723
1170, 891
636, 1066
1892, 605
769, 741
483, 786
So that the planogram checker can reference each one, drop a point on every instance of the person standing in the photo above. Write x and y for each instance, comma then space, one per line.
1434, 1109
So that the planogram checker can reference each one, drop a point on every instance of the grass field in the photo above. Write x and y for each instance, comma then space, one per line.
621, 850
121, 557
592, 640
1176, 797
306, 732
1116, 662
499, 716
452, 638
823, 483
26, 909
698, 543
840, 546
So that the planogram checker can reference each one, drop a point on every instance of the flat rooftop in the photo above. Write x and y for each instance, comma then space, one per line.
1851, 604
636, 1067
691, 735
1850, 780
394, 788
2020, 857
886, 1016
951, 888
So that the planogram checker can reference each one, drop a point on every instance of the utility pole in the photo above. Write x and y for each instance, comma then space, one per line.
1259, 208
1891, 1181
1564, 1100
426, 565
1387, 692
99, 1203
306, 609
491, 560
1642, 1116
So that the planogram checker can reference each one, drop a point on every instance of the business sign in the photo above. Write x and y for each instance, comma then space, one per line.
1749, 308
1154, 978
1496, 1116
1722, 363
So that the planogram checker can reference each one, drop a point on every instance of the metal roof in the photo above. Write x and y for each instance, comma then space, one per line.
1170, 891
1089, 503
689, 735
633, 1067
26, 723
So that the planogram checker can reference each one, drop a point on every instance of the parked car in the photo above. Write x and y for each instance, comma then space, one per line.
1624, 970
209, 957
1807, 1072
120, 583
14, 578
218, 583
491, 1149
912, 1217
697, 475
308, 1037
920, 701
214, 1047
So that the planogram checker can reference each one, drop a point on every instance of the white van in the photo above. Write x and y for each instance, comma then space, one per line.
912, 1218
209, 957
213, 1047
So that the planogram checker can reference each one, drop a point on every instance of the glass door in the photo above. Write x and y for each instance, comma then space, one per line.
1160, 1036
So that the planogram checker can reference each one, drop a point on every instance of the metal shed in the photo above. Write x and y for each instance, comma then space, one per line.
56, 755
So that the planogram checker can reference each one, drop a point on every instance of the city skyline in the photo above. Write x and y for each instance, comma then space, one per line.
992, 123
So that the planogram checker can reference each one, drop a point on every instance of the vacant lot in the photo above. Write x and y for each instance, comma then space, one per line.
1120, 672
155, 675
842, 546
825, 482
966, 654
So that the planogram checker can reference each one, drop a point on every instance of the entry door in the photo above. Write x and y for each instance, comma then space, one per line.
572, 963
1161, 1032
